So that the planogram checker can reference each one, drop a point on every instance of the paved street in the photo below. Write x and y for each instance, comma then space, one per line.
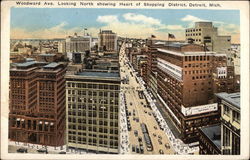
141, 113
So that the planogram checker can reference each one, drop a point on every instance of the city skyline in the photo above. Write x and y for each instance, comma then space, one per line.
61, 22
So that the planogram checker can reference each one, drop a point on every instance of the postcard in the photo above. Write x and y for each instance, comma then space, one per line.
124, 79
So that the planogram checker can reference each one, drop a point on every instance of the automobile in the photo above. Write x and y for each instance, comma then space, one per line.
42, 150
131, 103
136, 133
149, 114
159, 137
167, 146
160, 142
137, 149
161, 151
137, 119
139, 139
155, 127
142, 149
62, 152
145, 111
154, 134
22, 150
133, 148
141, 103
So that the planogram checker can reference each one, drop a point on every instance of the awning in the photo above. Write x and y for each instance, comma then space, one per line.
40, 122
22, 120
51, 123
18, 119
46, 123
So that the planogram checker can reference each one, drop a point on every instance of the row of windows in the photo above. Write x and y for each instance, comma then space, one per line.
198, 71
106, 136
194, 34
193, 30
197, 58
90, 121
91, 107
93, 93
236, 115
94, 114
93, 86
93, 100
200, 77
94, 129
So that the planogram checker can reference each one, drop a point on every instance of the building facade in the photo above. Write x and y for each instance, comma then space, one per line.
78, 43
37, 103
206, 30
230, 122
93, 111
186, 80
107, 40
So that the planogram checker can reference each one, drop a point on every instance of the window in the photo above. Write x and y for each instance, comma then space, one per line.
236, 116
226, 110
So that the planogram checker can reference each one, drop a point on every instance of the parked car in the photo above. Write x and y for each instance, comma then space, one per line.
42, 150
22, 150
160, 142
62, 152
167, 146
159, 137
136, 133
133, 148
161, 151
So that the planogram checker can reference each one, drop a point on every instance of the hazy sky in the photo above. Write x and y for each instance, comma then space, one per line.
139, 23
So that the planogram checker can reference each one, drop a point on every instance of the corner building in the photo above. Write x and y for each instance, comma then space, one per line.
93, 111
187, 78
230, 122
37, 103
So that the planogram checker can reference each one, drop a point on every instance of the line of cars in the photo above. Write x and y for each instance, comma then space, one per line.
127, 114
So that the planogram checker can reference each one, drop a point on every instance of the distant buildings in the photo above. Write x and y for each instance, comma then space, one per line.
92, 100
107, 40
206, 32
37, 103
184, 77
230, 122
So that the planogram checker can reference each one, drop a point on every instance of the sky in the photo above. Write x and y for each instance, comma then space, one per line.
137, 23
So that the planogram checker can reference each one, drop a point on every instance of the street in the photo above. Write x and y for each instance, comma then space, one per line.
140, 112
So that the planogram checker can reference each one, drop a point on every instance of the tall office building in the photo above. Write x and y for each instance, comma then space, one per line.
92, 99
186, 79
78, 43
206, 31
107, 40
230, 122
37, 103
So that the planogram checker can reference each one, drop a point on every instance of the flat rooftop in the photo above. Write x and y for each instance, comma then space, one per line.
232, 98
211, 132
99, 74
51, 65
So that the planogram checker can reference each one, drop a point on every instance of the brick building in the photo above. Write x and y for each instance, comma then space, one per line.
37, 103
185, 78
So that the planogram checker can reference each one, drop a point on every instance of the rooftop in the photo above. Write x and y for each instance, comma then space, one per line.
232, 98
99, 74
213, 133
51, 65
44, 54
26, 64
